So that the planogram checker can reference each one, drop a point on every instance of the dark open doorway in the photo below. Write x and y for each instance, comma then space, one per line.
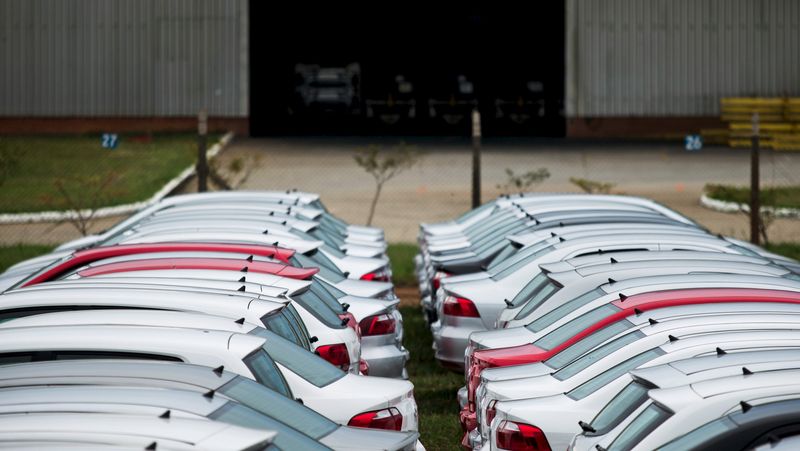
416, 69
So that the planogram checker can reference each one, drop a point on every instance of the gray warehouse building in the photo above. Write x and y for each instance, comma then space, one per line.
555, 68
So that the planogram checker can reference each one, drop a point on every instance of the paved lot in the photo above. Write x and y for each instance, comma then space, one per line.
438, 187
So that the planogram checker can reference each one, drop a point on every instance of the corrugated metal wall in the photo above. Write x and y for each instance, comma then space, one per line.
678, 57
123, 57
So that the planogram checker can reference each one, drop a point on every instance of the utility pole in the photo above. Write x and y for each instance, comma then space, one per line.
755, 189
202, 163
476, 158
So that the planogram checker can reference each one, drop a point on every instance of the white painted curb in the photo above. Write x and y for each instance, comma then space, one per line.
59, 216
733, 207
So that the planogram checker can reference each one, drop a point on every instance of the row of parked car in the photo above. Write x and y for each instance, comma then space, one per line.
605, 322
219, 321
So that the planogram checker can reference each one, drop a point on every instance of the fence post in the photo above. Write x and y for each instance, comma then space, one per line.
755, 189
476, 158
202, 163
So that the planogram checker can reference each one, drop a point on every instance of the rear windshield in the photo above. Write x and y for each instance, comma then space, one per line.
698, 436
554, 315
647, 421
278, 323
319, 308
277, 406
326, 238
572, 328
531, 297
509, 249
622, 405
305, 364
266, 372
327, 270
523, 257
565, 360
606, 377
332, 290
287, 438
466, 216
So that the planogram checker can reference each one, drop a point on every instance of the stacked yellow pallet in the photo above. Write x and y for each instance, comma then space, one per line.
779, 121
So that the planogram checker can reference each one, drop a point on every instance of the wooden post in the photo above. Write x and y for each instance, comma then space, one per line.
476, 158
755, 189
202, 163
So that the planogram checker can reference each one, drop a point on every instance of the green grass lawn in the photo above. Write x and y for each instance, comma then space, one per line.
10, 255
134, 171
784, 197
791, 250
402, 257
434, 387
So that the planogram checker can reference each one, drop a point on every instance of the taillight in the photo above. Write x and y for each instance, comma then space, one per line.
521, 437
381, 275
363, 367
491, 411
389, 419
436, 281
489, 358
335, 354
351, 322
377, 325
455, 306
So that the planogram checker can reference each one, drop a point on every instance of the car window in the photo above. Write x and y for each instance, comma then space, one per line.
278, 406
509, 249
266, 372
327, 269
277, 323
326, 238
305, 364
287, 438
534, 297
319, 308
554, 315
572, 328
481, 228
622, 405
792, 276
10, 358
640, 427
604, 378
565, 360
700, 435
319, 288
333, 250
743, 250
523, 258
537, 282
335, 292
291, 315
466, 216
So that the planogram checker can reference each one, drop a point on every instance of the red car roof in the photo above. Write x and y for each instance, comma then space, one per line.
85, 257
224, 264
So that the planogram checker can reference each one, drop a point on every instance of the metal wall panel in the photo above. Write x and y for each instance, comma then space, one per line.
123, 57
678, 57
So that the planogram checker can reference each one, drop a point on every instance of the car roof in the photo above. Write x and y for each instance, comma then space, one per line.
231, 306
136, 428
190, 401
697, 368
662, 283
299, 245
199, 263
157, 318
164, 341
118, 371
644, 256
163, 280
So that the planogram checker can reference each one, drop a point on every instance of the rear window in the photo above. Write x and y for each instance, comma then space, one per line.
533, 297
572, 328
327, 269
604, 378
647, 421
508, 250
278, 406
523, 257
466, 216
565, 360
266, 372
306, 364
620, 407
554, 315
319, 308
287, 438
279, 324
698, 436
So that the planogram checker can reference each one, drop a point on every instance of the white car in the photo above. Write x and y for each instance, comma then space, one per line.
344, 398
729, 361
555, 402
37, 431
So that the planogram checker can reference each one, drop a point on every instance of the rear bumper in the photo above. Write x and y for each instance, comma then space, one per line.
450, 342
384, 360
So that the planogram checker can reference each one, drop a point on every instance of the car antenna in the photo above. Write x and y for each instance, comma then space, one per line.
250, 258
165, 415
610, 280
614, 260
672, 338
345, 306
265, 232
745, 406
508, 303
622, 297
745, 371
586, 427
242, 279
218, 370
313, 339
272, 213
721, 352
243, 269
242, 288
151, 447
345, 321
239, 321
209, 394
652, 321
346, 274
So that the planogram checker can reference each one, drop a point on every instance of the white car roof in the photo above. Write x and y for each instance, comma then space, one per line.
645, 256
301, 246
178, 433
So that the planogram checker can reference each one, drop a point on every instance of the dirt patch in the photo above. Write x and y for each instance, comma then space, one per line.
409, 296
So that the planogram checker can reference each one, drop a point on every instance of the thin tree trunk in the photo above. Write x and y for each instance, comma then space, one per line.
374, 203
